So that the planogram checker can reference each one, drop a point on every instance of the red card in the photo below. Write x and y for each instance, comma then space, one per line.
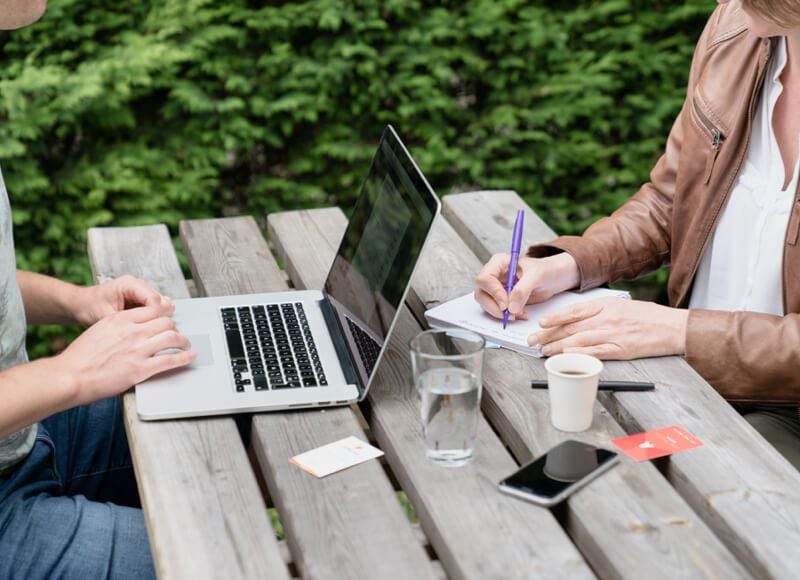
657, 443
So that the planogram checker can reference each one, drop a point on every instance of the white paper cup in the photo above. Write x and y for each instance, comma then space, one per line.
572, 384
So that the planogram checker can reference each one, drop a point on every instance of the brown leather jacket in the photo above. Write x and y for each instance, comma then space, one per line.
746, 356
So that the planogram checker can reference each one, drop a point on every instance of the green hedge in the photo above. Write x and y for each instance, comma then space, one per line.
117, 112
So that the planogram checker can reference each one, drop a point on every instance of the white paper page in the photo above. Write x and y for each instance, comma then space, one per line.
464, 312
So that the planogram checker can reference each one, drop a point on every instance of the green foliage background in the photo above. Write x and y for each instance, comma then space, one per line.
116, 112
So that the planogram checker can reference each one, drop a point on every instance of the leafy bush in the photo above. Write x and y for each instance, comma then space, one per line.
127, 113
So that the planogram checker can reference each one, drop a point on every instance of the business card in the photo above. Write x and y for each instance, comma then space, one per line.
335, 456
657, 443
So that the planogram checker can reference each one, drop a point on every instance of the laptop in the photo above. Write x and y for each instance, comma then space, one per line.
307, 348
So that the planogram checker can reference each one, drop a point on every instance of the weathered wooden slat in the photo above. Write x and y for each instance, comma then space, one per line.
205, 515
306, 242
144, 251
476, 531
495, 211
350, 524
746, 492
322, 229
630, 516
234, 259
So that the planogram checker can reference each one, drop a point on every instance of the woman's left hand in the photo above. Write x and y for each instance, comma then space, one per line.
613, 329
93, 303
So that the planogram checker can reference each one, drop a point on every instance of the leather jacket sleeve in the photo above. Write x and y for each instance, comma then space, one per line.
746, 356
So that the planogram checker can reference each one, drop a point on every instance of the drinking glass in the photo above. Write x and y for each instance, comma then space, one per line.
447, 367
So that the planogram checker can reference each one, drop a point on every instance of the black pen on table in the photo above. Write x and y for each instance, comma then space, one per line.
606, 385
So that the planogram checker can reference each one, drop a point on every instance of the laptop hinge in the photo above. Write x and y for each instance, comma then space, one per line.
340, 344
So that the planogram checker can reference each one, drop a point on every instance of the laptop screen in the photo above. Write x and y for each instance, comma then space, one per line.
373, 267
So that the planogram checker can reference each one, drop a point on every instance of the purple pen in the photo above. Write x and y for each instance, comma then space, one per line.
516, 244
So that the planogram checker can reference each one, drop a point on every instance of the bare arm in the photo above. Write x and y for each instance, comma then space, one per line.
32, 392
51, 301
130, 324
120, 350
48, 300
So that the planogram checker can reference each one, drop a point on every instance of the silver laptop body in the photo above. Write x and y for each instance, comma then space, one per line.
293, 349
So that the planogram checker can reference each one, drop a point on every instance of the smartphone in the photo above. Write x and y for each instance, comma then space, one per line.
550, 478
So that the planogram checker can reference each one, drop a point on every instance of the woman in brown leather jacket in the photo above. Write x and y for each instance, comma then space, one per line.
722, 207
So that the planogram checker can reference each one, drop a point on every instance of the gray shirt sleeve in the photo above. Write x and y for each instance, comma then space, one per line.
16, 446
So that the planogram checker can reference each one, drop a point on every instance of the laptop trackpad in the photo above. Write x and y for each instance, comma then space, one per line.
201, 344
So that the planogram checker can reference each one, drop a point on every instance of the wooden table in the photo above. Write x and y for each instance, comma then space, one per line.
729, 509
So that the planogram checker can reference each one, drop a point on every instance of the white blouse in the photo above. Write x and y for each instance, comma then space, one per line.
742, 264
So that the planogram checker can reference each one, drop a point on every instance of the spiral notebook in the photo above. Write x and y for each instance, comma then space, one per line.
465, 312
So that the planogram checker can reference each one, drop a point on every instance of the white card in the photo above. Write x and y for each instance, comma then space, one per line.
335, 456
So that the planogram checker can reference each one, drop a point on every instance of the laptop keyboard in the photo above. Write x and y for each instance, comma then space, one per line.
271, 348
368, 348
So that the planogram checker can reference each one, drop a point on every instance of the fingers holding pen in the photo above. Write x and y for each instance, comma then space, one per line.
537, 279
490, 292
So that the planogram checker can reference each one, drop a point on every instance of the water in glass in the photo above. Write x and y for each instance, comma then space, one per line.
450, 401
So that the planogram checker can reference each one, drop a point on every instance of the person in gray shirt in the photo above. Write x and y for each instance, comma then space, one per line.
68, 500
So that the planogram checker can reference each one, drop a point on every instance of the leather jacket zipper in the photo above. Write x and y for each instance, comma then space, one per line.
717, 137
761, 74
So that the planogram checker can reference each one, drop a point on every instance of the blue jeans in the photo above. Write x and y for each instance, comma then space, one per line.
68, 510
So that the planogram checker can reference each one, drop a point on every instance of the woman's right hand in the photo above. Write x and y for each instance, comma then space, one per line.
121, 350
537, 280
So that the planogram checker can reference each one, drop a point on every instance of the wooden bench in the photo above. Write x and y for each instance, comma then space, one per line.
728, 509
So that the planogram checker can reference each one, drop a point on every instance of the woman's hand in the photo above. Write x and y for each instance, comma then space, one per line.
537, 280
93, 303
122, 349
614, 329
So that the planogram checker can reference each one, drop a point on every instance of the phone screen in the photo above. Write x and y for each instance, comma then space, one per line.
558, 469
